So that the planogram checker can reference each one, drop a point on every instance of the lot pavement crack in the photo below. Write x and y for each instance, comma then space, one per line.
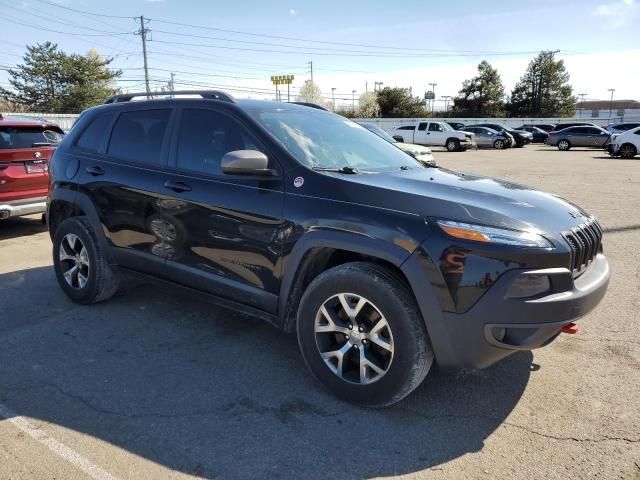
285, 412
446, 416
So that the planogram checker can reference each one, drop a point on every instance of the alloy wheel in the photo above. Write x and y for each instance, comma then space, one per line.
354, 338
564, 145
627, 151
499, 144
74, 261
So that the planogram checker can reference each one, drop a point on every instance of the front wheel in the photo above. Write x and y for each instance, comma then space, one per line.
498, 144
627, 151
453, 145
361, 334
564, 145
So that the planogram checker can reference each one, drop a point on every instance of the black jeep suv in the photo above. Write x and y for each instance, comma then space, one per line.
308, 220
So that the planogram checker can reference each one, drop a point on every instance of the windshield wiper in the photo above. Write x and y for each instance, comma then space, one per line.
348, 170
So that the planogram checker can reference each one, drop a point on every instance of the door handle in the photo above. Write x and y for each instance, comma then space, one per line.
95, 171
177, 186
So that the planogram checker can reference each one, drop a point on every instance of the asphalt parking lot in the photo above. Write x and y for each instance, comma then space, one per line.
158, 384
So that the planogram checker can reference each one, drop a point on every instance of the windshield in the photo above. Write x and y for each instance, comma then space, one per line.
447, 127
325, 140
27, 137
380, 132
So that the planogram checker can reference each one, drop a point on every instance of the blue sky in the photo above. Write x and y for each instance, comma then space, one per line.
407, 43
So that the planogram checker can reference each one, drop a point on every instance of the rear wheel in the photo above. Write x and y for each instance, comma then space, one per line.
361, 334
628, 151
80, 264
564, 145
498, 144
453, 145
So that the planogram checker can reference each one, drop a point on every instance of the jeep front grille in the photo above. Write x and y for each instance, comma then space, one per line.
585, 242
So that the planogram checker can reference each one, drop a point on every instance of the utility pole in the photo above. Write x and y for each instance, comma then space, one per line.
333, 97
446, 99
143, 34
172, 83
433, 101
353, 100
310, 63
581, 95
611, 101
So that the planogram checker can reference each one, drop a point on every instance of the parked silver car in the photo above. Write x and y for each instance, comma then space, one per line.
489, 138
595, 137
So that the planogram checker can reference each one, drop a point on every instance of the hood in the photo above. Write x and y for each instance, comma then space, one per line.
413, 148
471, 198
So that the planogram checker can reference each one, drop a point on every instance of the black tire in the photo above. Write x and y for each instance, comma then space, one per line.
412, 355
453, 144
499, 144
628, 150
102, 280
564, 145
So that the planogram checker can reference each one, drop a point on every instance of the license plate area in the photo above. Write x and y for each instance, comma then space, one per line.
36, 166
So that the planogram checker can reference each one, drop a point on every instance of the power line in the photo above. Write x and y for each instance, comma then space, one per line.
36, 27
57, 5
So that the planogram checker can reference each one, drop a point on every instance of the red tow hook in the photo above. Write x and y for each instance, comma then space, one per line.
570, 328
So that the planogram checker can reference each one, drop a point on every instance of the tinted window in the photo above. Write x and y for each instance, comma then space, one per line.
205, 137
637, 132
26, 137
412, 127
578, 130
435, 127
422, 127
138, 136
593, 131
92, 136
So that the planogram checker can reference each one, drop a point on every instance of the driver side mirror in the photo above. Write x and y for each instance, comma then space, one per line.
246, 162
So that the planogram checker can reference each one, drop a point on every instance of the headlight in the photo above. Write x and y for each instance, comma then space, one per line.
483, 234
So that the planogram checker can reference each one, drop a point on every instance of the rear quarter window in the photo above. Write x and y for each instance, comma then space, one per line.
92, 138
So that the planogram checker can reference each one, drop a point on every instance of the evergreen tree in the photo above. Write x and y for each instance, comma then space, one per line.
51, 81
543, 91
481, 96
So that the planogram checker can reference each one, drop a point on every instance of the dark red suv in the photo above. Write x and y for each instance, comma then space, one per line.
26, 145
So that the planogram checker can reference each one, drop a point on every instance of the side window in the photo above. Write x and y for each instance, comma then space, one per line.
435, 127
593, 131
92, 137
205, 136
637, 132
422, 127
408, 127
579, 130
138, 136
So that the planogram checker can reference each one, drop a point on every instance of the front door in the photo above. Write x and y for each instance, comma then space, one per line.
227, 229
436, 134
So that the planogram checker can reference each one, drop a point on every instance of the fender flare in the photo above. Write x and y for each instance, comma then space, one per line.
81, 202
408, 263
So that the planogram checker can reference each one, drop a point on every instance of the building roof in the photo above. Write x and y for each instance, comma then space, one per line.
605, 104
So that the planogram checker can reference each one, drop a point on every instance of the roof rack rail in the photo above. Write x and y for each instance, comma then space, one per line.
312, 105
207, 94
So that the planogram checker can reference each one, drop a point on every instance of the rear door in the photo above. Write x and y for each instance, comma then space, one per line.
597, 138
579, 136
125, 180
227, 229
421, 136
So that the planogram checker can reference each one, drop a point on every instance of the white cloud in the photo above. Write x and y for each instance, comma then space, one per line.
617, 14
293, 13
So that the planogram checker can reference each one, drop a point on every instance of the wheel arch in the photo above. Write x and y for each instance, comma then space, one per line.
64, 203
318, 251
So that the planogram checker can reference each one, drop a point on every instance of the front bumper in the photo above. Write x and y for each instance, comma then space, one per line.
18, 208
497, 326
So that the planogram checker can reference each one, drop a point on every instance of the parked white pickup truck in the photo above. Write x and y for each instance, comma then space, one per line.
438, 134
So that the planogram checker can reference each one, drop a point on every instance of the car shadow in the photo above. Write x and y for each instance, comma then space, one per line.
21, 226
214, 393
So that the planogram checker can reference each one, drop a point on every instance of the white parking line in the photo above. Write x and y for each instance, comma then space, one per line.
55, 446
